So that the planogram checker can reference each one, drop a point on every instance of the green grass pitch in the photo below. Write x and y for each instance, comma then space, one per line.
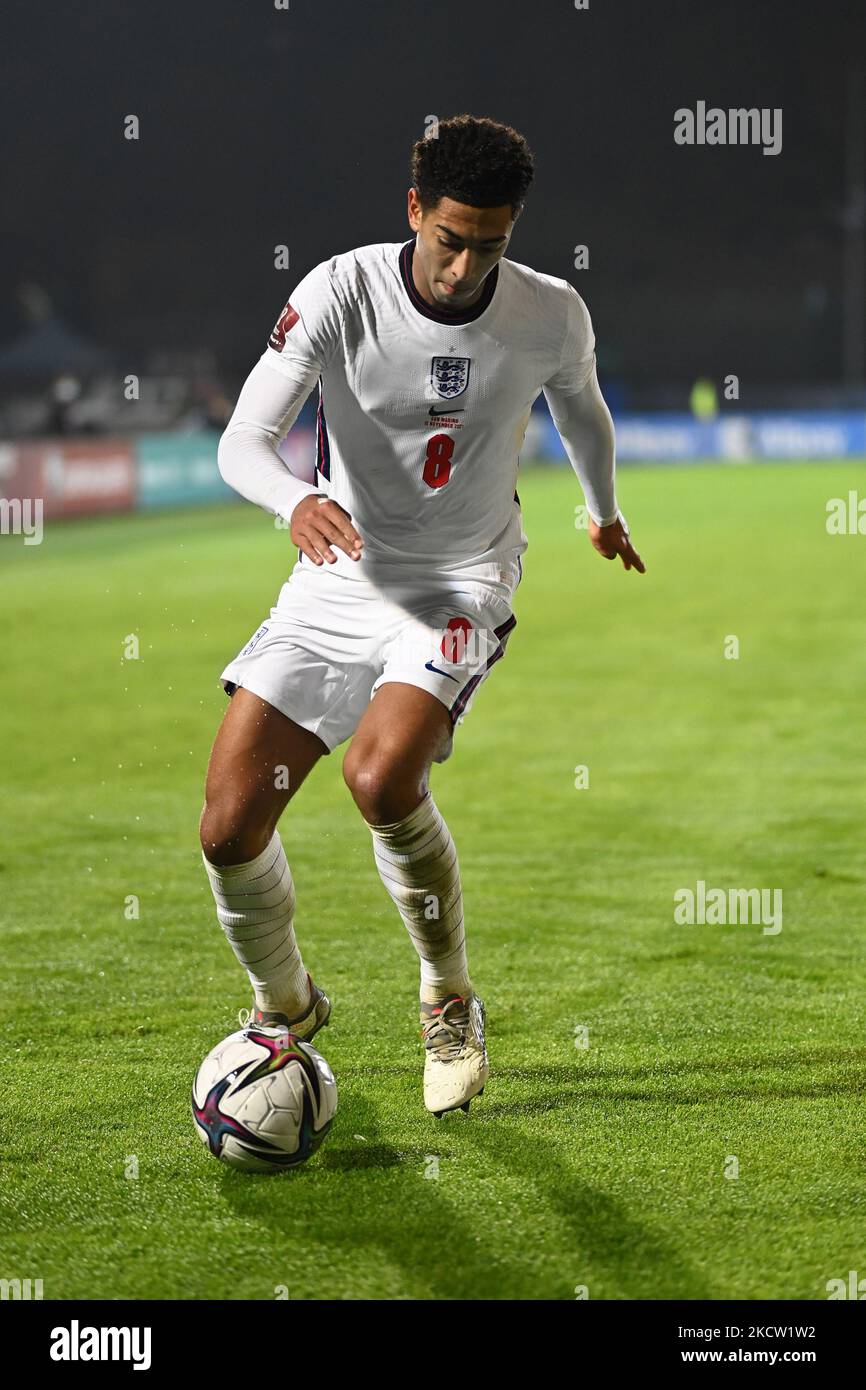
601, 1166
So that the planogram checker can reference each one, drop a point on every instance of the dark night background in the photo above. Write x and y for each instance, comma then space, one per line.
261, 127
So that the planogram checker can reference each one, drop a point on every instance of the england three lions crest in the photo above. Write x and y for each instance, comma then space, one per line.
449, 376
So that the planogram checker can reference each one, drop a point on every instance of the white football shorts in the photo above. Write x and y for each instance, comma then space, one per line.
338, 632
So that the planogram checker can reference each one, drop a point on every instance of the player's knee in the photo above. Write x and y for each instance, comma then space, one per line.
382, 793
445, 750
231, 834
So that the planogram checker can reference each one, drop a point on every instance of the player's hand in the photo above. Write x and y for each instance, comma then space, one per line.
613, 540
318, 524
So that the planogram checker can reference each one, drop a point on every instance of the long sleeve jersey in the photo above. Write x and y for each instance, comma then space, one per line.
422, 412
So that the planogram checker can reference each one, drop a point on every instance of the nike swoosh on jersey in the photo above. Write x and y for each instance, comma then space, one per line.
458, 410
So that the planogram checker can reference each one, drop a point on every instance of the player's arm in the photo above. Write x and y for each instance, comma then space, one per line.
584, 424
269, 403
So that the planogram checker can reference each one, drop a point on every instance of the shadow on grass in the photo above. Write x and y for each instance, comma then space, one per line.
572, 1081
381, 1203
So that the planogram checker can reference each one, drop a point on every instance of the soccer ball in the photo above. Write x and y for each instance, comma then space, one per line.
262, 1101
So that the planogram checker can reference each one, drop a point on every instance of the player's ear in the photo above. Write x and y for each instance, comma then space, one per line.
414, 209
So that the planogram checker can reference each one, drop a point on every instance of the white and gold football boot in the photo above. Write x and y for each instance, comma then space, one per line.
456, 1066
306, 1025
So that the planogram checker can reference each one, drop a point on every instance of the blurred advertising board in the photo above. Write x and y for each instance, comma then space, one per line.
178, 470
80, 477
735, 438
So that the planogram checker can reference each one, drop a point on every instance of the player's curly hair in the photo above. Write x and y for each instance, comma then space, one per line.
473, 160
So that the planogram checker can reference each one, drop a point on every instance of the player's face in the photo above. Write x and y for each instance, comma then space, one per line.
456, 248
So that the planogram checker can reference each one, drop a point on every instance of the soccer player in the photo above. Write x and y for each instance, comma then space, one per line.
428, 357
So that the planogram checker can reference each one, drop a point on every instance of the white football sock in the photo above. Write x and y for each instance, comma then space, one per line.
255, 904
418, 865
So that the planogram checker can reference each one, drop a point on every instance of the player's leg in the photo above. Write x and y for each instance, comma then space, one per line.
258, 762
434, 663
386, 768
404, 730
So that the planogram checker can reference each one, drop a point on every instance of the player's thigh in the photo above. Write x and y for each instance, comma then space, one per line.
403, 730
260, 758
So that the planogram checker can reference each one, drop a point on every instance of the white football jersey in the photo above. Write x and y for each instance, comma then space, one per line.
422, 412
